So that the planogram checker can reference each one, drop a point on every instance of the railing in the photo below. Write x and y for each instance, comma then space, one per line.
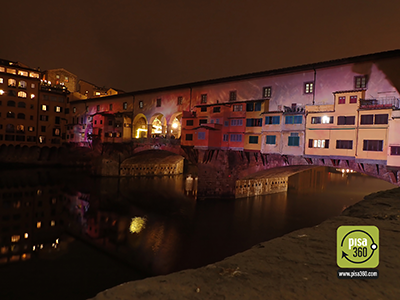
380, 103
294, 109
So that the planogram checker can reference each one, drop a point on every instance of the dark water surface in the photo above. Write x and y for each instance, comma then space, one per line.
65, 235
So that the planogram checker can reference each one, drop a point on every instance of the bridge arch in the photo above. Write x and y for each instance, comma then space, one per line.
175, 125
157, 125
140, 126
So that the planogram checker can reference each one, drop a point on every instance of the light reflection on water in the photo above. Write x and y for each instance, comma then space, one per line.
178, 232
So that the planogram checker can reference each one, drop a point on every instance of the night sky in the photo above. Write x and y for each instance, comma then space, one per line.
132, 45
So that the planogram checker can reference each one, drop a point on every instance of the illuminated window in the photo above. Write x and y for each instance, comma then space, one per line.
3, 250
327, 120
22, 84
15, 238
38, 224
140, 104
360, 82
318, 143
31, 128
26, 235
267, 91
53, 223
2, 69
125, 105
44, 107
232, 95
34, 75
56, 132
22, 73
32, 96
12, 71
1, 80
21, 94
20, 128
66, 79
25, 256
32, 85
1, 92
74, 109
308, 87
97, 93
57, 109
12, 82
58, 76
203, 98
42, 139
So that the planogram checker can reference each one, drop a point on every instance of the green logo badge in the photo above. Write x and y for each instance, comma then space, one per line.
357, 247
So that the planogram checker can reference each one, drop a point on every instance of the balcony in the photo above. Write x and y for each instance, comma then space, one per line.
298, 109
380, 103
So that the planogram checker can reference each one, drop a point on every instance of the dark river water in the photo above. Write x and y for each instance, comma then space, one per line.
65, 235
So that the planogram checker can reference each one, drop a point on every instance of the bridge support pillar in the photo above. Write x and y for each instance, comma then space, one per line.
149, 130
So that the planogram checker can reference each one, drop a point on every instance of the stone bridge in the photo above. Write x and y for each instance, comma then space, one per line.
219, 170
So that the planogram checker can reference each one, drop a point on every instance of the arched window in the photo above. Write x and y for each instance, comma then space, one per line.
12, 93
11, 115
12, 82
11, 103
22, 84
21, 116
21, 94
10, 128
20, 128
21, 104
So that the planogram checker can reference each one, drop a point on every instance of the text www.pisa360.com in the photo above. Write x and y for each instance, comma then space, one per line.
358, 273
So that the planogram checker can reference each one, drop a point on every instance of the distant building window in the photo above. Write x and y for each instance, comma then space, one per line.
11, 103
203, 98
21, 116
140, 104
271, 139
12, 82
254, 122
22, 84
87, 108
189, 137
342, 100
236, 122
360, 82
353, 99
217, 109
201, 136
42, 128
21, 94
179, 102
294, 139
257, 106
267, 91
31, 128
110, 107
342, 120
10, 115
58, 109
373, 145
225, 138
394, 150
367, 119
381, 119
44, 118
203, 108
98, 107
318, 143
253, 139
74, 109
66, 79
32, 85
327, 120
249, 107
125, 105
158, 102
226, 123
57, 120
236, 137
232, 96
273, 120
308, 87
315, 120
202, 121
344, 144
238, 107
189, 122
44, 107
293, 120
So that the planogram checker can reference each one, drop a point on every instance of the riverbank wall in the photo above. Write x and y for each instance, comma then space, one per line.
299, 265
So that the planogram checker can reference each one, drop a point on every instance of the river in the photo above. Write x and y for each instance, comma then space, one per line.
66, 235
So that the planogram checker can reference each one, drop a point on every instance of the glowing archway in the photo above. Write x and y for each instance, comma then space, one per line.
158, 125
139, 126
175, 125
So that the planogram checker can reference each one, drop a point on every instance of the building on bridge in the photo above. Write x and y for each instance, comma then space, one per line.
345, 108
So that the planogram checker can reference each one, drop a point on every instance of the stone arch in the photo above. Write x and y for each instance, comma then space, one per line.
174, 127
140, 126
157, 125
